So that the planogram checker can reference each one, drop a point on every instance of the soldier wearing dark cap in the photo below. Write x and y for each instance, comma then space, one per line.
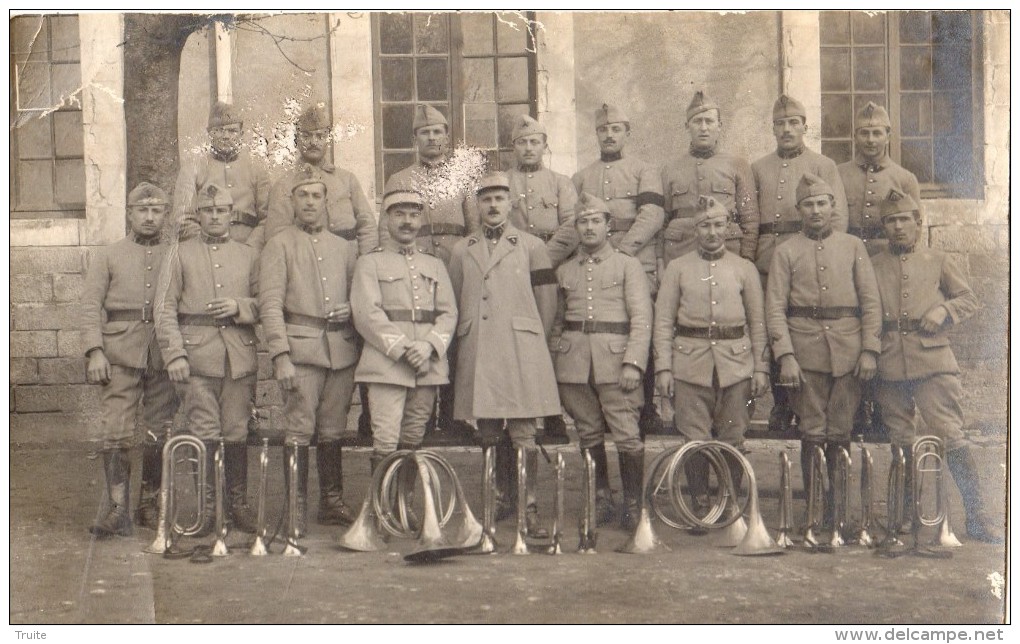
206, 332
925, 292
506, 296
709, 341
824, 322
304, 306
405, 309
633, 191
704, 170
448, 216
600, 349
124, 357
775, 178
871, 176
229, 164
348, 211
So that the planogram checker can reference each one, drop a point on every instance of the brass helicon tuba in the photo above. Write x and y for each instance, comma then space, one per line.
175, 452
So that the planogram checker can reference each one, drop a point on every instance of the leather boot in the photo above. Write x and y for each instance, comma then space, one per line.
301, 451
908, 491
807, 448
649, 421
506, 480
332, 509
235, 464
373, 462
604, 509
781, 416
534, 528
632, 471
979, 525
407, 480
696, 471
152, 473
365, 419
117, 520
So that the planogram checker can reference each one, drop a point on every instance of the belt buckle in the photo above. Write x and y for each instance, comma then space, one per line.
587, 326
902, 324
816, 312
416, 315
147, 313
713, 332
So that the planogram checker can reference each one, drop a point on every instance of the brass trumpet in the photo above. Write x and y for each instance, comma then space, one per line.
557, 528
168, 530
864, 537
292, 548
220, 546
488, 544
783, 539
816, 497
840, 497
588, 535
258, 548
520, 546
929, 461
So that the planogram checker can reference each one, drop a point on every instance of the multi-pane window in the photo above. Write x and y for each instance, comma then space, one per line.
920, 65
47, 140
478, 69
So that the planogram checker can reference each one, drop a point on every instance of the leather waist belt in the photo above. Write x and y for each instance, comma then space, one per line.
316, 322
620, 225
867, 232
545, 235
442, 229
823, 312
411, 315
906, 325
681, 213
709, 332
591, 326
245, 219
191, 319
350, 234
143, 314
780, 228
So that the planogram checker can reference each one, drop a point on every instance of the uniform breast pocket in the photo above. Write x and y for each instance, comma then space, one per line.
617, 346
392, 285
723, 189
552, 204
612, 285
192, 340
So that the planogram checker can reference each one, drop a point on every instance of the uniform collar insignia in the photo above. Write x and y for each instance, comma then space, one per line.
790, 154
701, 154
899, 249
406, 251
311, 230
214, 240
712, 255
512, 239
608, 157
529, 167
873, 166
494, 232
817, 236
146, 241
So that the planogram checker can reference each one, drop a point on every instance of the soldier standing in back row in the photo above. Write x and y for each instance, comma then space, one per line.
633, 191
775, 179
123, 357
924, 293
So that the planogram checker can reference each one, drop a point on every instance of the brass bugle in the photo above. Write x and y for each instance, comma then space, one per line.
220, 546
644, 540
588, 535
557, 528
864, 537
168, 530
757, 541
815, 496
895, 512
840, 496
783, 539
258, 548
520, 546
929, 462
488, 545
292, 549
432, 543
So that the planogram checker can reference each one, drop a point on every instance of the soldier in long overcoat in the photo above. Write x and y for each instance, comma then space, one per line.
506, 296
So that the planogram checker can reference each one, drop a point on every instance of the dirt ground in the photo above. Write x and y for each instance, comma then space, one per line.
59, 575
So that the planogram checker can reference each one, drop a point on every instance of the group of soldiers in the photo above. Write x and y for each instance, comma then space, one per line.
527, 294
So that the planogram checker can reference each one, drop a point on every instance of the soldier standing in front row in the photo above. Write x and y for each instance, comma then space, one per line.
206, 331
304, 283
600, 347
824, 319
776, 176
405, 309
506, 295
709, 342
632, 189
123, 357
924, 292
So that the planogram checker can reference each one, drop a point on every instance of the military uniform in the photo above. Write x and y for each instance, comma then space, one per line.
726, 177
246, 179
305, 273
401, 295
349, 214
603, 322
220, 352
917, 369
121, 282
869, 183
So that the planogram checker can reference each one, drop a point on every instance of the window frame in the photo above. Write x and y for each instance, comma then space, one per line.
893, 90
